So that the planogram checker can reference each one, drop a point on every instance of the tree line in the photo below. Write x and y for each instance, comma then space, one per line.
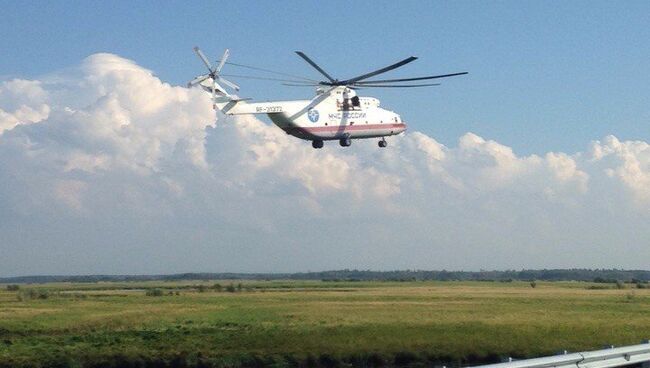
590, 275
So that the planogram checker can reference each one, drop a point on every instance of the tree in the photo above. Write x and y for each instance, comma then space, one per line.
154, 292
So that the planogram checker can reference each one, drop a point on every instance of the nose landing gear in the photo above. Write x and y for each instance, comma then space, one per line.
317, 144
382, 143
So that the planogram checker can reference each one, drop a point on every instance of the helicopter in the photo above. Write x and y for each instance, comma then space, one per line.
337, 112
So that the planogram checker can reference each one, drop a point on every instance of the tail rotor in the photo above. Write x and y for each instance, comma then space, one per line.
213, 73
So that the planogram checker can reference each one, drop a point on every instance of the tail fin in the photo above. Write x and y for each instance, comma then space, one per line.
219, 94
221, 99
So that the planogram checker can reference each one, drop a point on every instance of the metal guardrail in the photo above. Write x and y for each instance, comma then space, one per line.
606, 358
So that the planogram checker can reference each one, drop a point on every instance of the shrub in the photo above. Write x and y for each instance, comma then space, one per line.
33, 294
13, 287
178, 361
533, 284
310, 361
255, 361
369, 360
602, 280
405, 358
217, 287
230, 288
598, 287
289, 361
328, 361
201, 288
154, 292
620, 284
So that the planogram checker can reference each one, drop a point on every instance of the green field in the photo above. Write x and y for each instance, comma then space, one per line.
295, 323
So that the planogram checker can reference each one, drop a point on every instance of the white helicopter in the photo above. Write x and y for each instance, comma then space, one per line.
335, 113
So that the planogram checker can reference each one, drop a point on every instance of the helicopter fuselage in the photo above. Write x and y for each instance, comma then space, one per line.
331, 115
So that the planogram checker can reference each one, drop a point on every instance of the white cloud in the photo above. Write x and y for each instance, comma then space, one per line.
106, 169
22, 102
627, 163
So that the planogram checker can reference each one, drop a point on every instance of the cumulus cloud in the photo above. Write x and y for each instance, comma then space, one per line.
627, 163
22, 102
104, 168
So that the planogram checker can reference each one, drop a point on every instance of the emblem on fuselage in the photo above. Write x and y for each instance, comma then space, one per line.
313, 115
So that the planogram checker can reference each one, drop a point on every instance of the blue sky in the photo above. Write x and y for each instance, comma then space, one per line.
539, 158
545, 76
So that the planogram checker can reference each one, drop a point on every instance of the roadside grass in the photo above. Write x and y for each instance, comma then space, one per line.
283, 321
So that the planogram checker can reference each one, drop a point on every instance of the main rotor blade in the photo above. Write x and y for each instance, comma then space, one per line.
223, 60
307, 59
412, 79
271, 71
269, 79
380, 71
395, 85
203, 58
300, 85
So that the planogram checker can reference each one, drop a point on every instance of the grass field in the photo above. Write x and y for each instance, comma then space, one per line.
285, 323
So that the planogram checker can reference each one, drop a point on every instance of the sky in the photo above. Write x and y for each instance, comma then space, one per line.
538, 158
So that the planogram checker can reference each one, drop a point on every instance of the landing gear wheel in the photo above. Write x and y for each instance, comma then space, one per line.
345, 142
317, 144
383, 143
